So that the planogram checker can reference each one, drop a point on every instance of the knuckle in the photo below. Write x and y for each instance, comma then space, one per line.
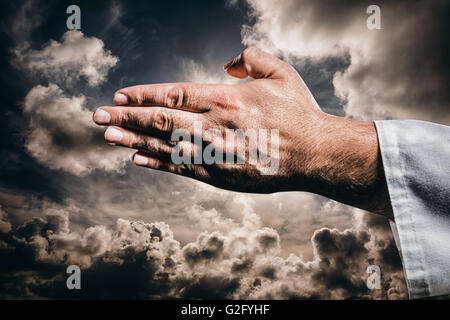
138, 97
172, 143
176, 97
123, 117
145, 97
147, 144
172, 168
163, 122
156, 146
132, 119
182, 169
228, 101
137, 142
165, 149
249, 51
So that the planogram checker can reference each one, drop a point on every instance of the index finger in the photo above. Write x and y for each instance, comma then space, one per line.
185, 96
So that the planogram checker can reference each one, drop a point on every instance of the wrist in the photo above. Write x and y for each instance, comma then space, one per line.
343, 162
345, 153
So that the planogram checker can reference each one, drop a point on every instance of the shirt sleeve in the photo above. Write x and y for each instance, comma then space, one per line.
416, 160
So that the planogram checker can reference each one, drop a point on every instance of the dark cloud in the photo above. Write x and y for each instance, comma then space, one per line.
210, 247
5, 225
143, 260
400, 71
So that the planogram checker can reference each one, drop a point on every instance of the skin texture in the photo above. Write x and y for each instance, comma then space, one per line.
335, 157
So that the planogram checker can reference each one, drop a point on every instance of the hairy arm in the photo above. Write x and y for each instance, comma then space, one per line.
346, 165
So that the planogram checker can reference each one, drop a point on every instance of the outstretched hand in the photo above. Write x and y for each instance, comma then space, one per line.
305, 149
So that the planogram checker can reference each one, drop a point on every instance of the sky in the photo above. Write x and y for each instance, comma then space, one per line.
66, 197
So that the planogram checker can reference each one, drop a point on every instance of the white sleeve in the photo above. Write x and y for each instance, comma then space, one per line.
416, 160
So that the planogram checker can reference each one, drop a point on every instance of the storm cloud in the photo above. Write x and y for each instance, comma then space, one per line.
135, 259
397, 72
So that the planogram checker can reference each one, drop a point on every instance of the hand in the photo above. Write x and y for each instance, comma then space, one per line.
316, 152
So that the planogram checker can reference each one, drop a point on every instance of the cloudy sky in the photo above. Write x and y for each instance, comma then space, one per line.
67, 198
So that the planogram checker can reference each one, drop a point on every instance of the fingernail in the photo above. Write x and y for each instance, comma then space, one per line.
232, 62
102, 117
113, 135
140, 160
120, 99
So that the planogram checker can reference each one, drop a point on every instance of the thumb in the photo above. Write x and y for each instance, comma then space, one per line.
257, 64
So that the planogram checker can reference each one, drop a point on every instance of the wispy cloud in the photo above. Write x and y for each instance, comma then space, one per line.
75, 58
